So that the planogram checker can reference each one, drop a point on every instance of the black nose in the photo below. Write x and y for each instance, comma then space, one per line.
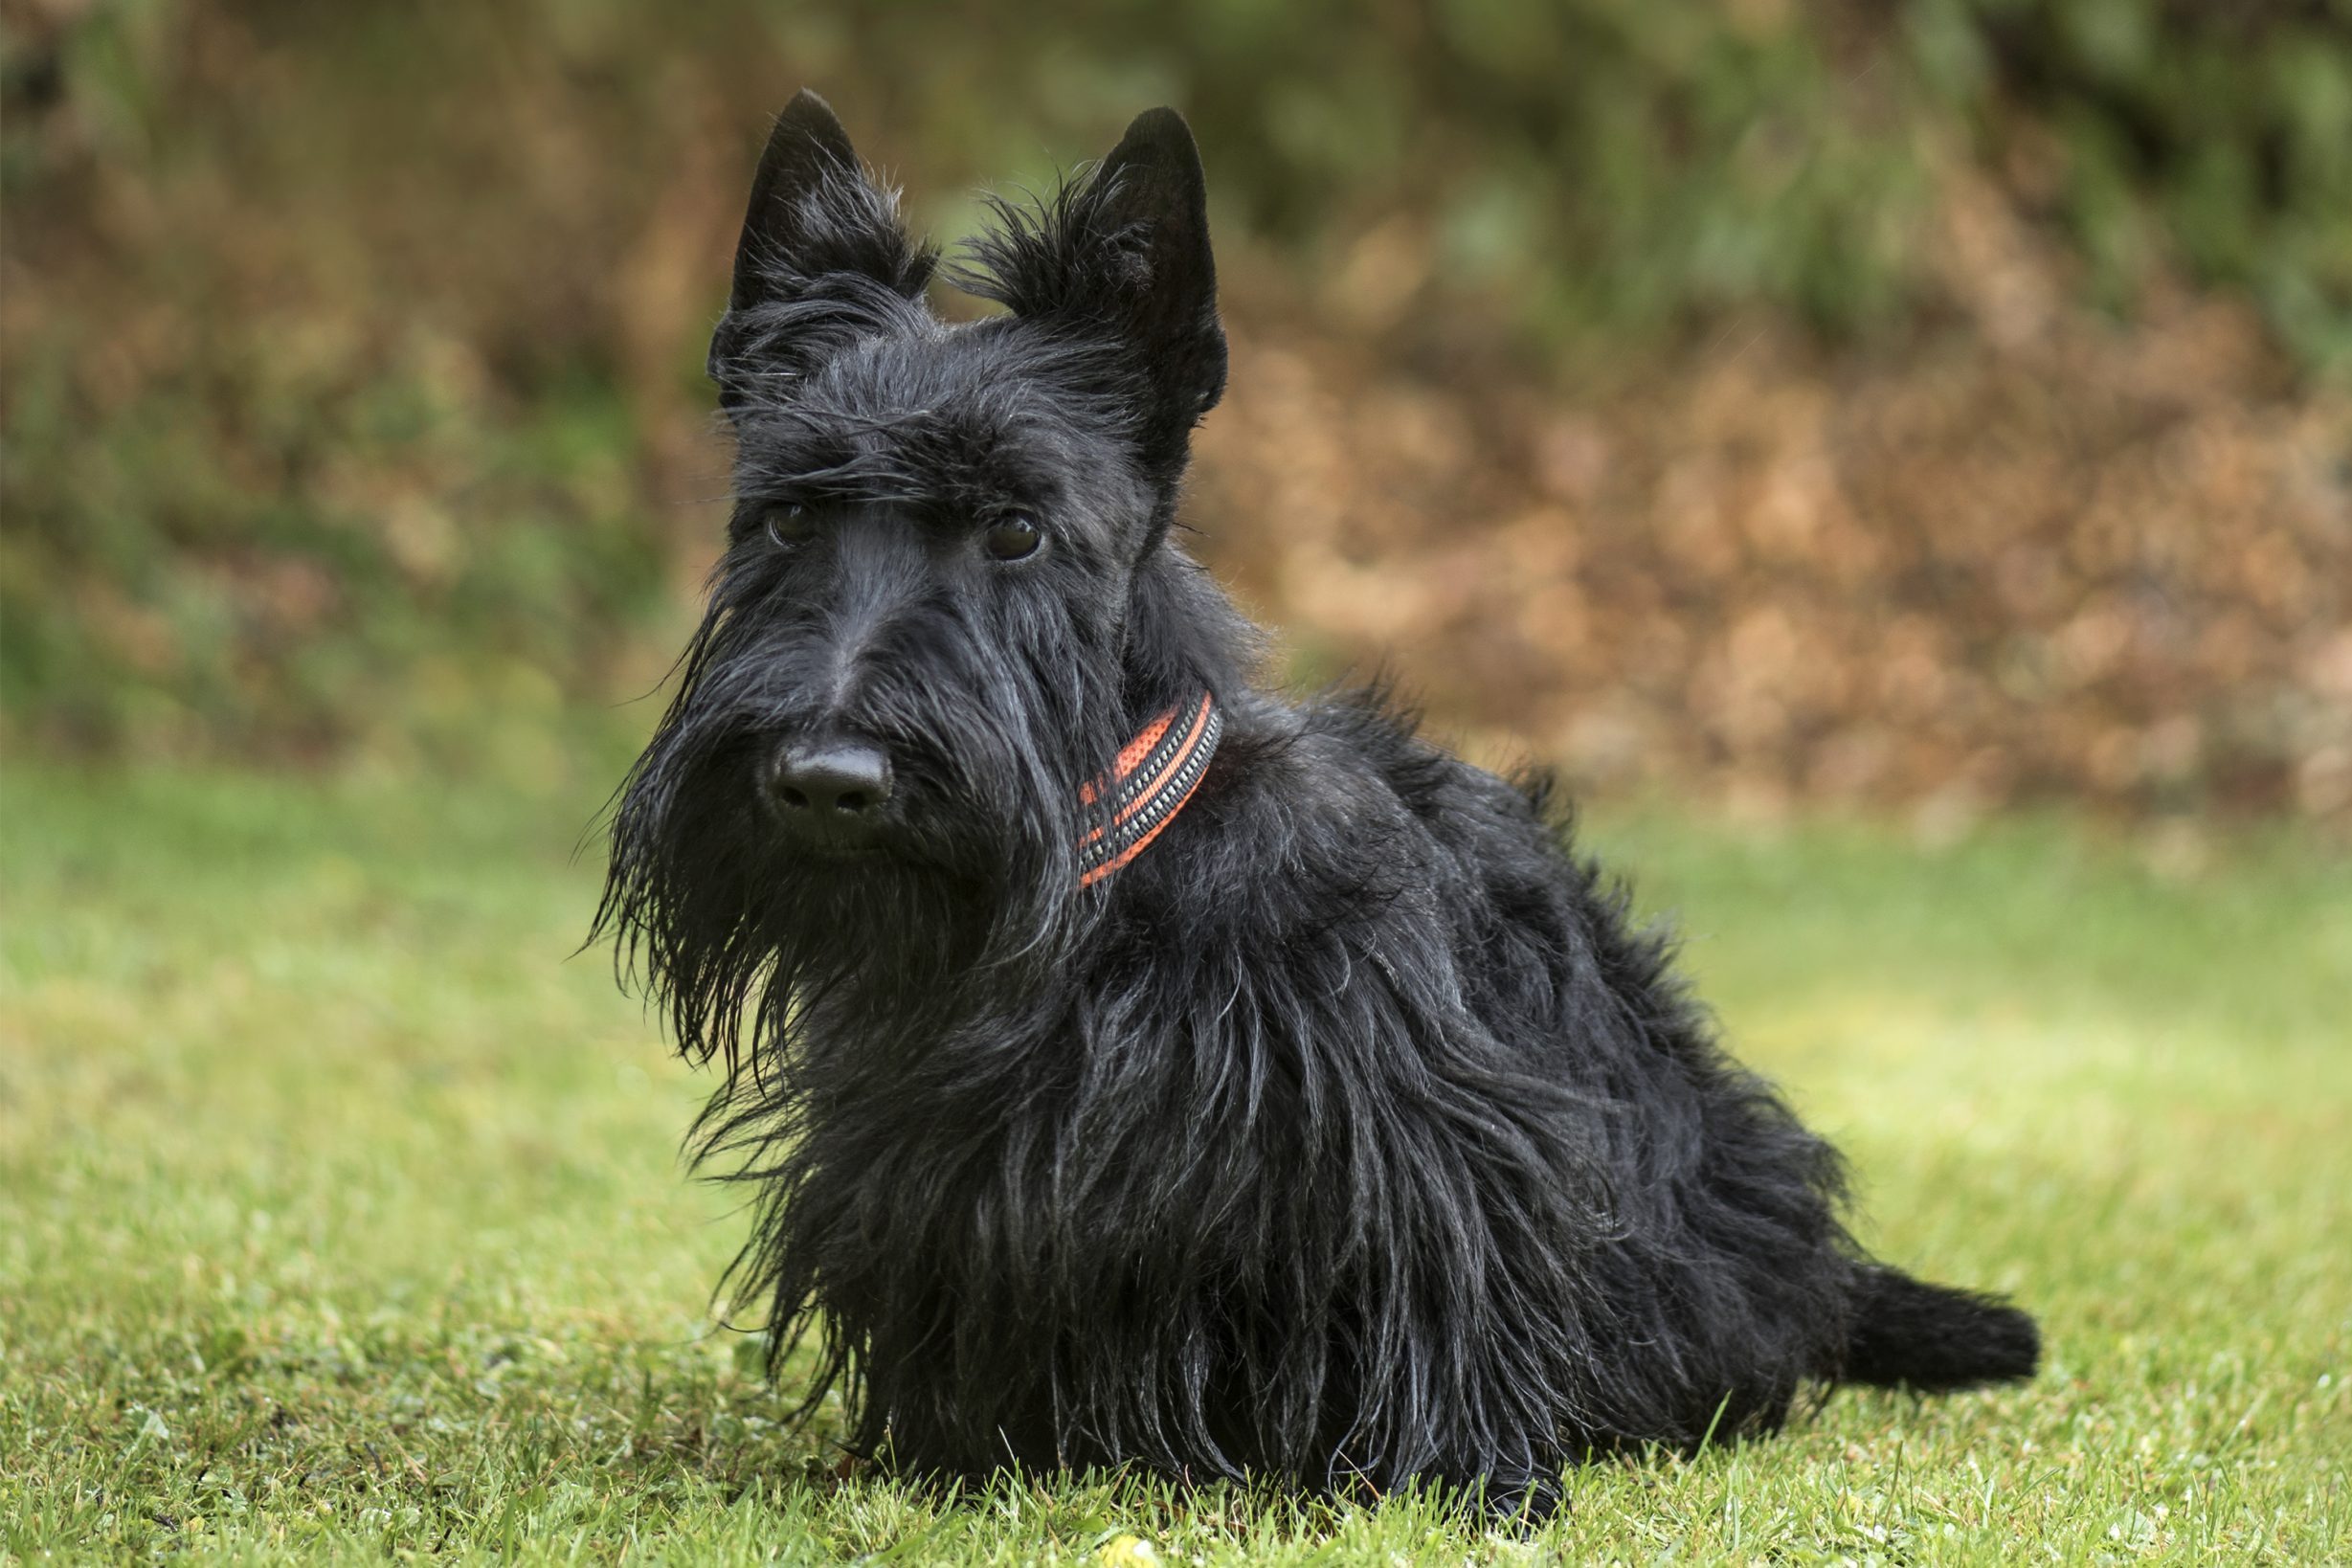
832, 783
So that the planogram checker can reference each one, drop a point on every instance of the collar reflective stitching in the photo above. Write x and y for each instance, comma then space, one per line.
1145, 786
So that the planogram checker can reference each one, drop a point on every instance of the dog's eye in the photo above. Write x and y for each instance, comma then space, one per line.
1010, 538
789, 524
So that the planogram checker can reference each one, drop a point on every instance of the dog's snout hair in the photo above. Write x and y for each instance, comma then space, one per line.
877, 579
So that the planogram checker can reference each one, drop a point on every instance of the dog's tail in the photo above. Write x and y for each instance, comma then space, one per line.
1904, 1334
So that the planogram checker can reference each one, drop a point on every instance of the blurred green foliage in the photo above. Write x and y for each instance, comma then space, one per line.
350, 352
283, 553
2213, 136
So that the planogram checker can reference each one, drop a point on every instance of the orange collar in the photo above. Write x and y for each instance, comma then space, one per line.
1145, 786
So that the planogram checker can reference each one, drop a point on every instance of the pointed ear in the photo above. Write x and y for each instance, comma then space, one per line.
821, 246
1124, 253
807, 151
1156, 207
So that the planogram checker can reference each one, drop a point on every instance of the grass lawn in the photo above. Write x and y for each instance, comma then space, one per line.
340, 1211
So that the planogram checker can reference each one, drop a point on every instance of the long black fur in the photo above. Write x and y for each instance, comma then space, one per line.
1352, 1134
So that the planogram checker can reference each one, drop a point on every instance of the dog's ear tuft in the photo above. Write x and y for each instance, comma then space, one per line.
823, 256
1125, 252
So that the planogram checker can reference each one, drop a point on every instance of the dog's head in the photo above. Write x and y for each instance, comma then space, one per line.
949, 588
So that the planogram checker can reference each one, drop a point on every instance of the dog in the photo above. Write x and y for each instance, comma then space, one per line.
1133, 1064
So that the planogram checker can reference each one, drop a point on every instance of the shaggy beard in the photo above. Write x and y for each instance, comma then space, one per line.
736, 933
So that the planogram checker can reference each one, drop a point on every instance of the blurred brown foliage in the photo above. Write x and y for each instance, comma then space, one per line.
2091, 567
353, 400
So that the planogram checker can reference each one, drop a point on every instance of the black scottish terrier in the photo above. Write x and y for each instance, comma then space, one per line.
1135, 1066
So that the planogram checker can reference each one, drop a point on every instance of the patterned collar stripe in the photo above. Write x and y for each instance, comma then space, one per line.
1146, 785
